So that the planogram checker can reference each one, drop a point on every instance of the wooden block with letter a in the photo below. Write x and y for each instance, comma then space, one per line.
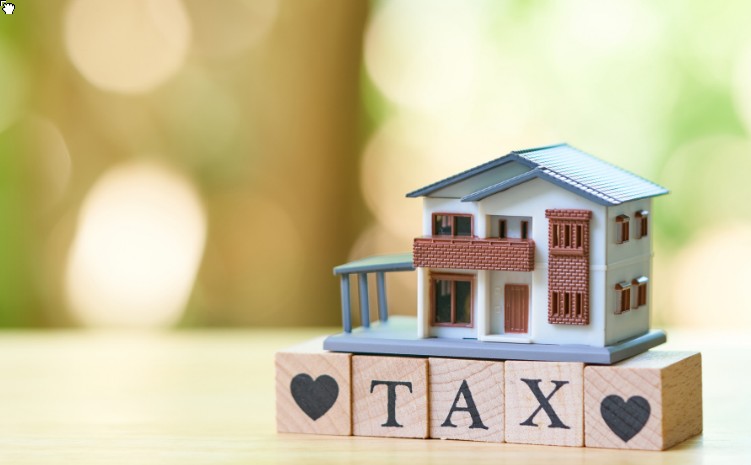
545, 403
313, 390
390, 396
650, 401
466, 399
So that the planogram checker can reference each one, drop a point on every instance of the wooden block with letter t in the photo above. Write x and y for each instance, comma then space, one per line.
466, 399
390, 396
650, 401
313, 390
545, 403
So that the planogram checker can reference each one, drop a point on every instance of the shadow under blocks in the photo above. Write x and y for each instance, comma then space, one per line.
532, 325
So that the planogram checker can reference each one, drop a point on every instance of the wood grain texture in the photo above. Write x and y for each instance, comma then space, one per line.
544, 403
193, 397
313, 391
473, 411
390, 396
668, 382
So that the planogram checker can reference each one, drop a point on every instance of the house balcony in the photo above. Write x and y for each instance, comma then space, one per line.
471, 253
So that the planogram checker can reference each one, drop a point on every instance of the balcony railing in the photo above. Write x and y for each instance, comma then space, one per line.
471, 253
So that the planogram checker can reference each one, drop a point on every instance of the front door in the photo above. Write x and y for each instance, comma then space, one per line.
516, 308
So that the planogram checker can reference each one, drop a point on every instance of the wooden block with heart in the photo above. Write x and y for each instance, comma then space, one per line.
651, 401
313, 391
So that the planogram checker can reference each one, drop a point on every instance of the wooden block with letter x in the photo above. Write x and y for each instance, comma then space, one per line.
390, 396
545, 403
650, 401
313, 391
466, 399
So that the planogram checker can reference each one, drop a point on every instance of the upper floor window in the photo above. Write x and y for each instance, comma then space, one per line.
567, 237
621, 229
642, 223
452, 224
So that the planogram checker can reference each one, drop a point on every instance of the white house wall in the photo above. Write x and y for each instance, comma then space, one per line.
529, 199
624, 263
532, 199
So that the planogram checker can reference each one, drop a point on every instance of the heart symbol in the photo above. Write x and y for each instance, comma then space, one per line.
625, 419
315, 398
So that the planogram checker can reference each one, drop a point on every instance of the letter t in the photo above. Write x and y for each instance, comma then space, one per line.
391, 399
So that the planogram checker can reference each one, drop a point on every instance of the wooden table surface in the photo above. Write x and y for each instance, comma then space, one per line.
207, 397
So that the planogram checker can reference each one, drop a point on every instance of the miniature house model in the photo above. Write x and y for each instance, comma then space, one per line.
542, 254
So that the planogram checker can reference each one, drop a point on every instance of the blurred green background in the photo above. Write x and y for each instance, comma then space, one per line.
191, 163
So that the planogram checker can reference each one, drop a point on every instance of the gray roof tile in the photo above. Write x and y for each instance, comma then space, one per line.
563, 165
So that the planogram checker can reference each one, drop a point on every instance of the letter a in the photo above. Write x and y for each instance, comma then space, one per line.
471, 408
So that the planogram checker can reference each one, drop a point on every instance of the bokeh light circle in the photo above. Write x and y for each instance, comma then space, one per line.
710, 277
425, 54
139, 241
229, 27
128, 47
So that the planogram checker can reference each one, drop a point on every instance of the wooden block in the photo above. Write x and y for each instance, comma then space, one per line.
651, 401
466, 399
390, 397
313, 391
545, 403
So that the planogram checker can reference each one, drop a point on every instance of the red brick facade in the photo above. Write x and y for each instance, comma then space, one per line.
568, 266
474, 254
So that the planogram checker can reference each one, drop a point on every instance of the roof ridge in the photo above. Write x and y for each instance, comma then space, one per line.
544, 147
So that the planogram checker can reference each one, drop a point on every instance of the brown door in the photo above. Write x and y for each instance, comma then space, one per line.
516, 308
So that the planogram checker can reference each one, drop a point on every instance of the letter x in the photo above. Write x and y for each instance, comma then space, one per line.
534, 386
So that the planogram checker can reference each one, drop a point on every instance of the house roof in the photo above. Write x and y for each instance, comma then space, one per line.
561, 164
393, 262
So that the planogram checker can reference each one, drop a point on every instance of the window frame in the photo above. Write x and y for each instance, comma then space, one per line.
642, 224
453, 216
640, 296
568, 238
622, 297
453, 278
622, 225
567, 307
524, 229
502, 229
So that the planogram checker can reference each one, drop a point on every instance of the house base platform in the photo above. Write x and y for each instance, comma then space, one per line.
397, 337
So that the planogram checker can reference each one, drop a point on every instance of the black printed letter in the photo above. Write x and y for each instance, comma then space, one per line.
534, 385
471, 408
391, 385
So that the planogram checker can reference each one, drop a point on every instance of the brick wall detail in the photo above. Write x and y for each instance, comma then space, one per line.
568, 267
474, 254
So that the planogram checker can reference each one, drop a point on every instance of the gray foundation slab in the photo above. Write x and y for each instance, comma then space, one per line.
397, 337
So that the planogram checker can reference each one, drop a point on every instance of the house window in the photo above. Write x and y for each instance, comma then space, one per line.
568, 237
567, 307
621, 229
642, 223
452, 300
525, 229
640, 284
502, 229
622, 297
452, 225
